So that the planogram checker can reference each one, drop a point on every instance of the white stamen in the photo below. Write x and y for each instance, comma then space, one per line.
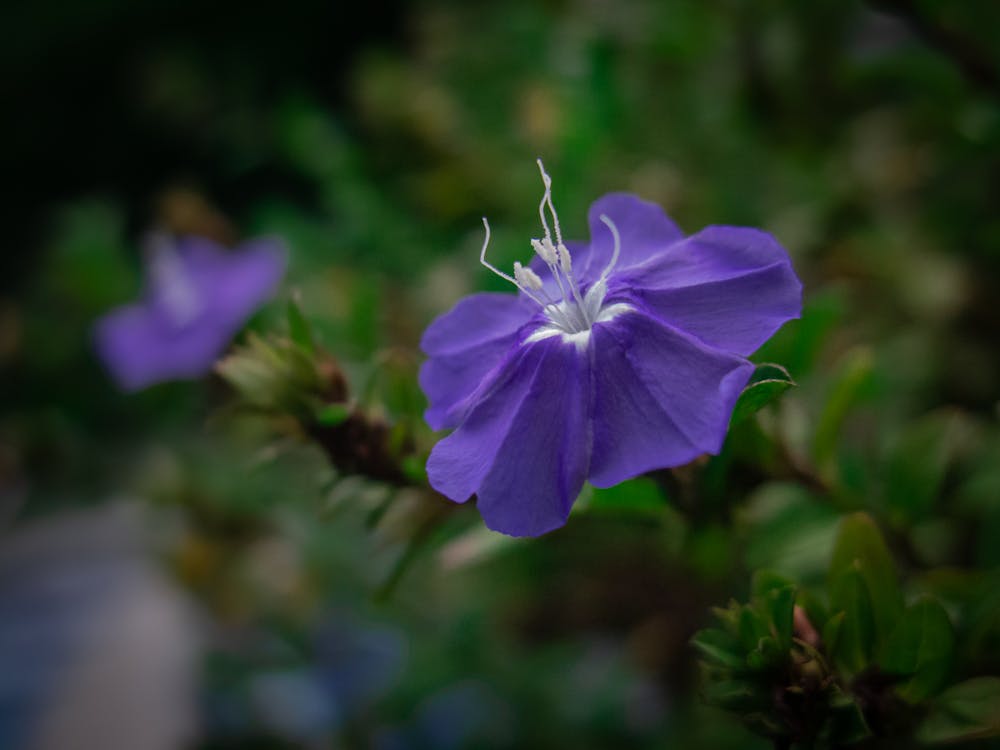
565, 261
547, 200
560, 251
526, 277
497, 271
570, 314
544, 250
617, 251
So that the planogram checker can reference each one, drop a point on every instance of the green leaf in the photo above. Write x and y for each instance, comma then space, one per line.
720, 647
415, 469
789, 531
752, 628
847, 389
637, 496
921, 646
331, 415
768, 654
734, 695
967, 711
916, 465
298, 327
765, 582
767, 383
855, 639
860, 550
272, 373
847, 721
775, 595
832, 630
782, 609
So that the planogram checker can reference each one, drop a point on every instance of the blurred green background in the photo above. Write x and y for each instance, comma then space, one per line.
865, 136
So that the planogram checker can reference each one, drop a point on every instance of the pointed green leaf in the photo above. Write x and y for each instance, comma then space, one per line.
856, 636
832, 630
720, 647
331, 415
775, 595
766, 581
637, 496
969, 710
847, 721
729, 615
847, 388
734, 695
752, 628
298, 327
921, 646
767, 383
789, 531
859, 547
782, 610
916, 465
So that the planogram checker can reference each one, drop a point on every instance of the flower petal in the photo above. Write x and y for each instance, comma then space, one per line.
140, 349
144, 344
525, 447
541, 466
645, 231
233, 284
465, 344
459, 462
732, 287
661, 397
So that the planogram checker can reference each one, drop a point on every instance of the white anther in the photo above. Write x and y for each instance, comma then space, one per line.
545, 250
526, 277
565, 261
501, 274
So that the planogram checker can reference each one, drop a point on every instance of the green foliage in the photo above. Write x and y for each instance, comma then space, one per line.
299, 329
811, 676
788, 529
274, 374
854, 641
916, 465
766, 384
866, 142
640, 497
922, 648
863, 584
966, 711
848, 387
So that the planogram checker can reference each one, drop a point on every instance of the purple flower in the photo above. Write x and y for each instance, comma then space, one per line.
617, 357
198, 295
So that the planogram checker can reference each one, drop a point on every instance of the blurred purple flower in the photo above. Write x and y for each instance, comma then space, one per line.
617, 357
198, 295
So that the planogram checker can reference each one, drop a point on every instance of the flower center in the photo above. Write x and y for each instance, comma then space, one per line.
569, 311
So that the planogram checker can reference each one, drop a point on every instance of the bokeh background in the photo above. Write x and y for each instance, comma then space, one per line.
174, 573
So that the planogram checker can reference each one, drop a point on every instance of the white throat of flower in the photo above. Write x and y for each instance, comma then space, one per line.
171, 283
572, 315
